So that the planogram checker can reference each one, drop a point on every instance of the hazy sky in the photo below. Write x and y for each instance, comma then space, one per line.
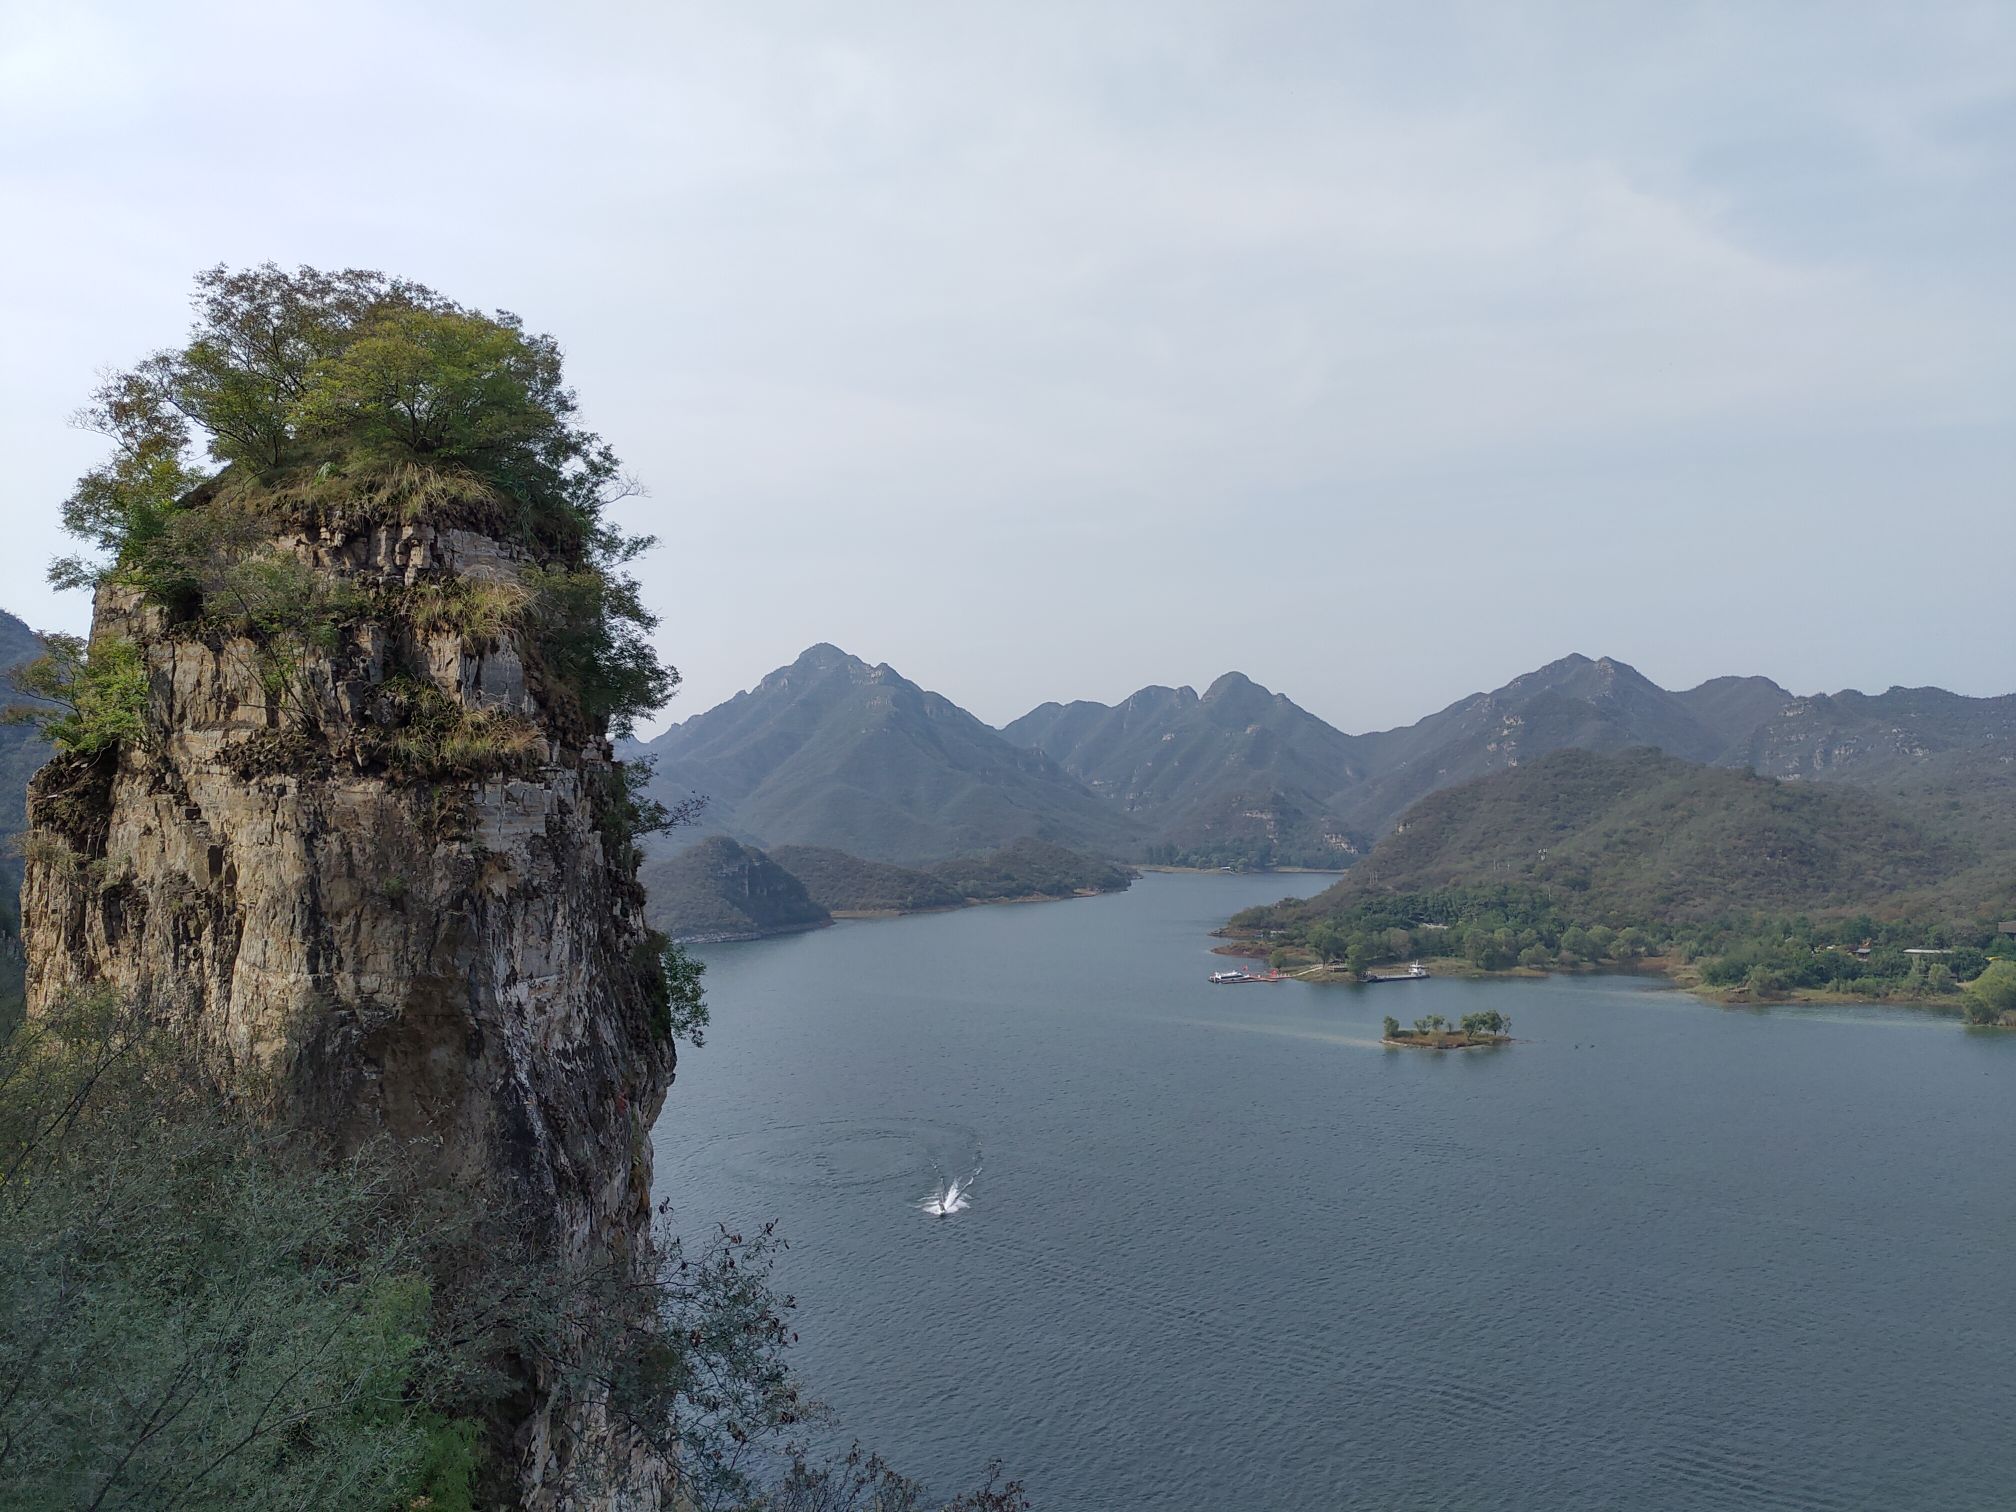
1047, 350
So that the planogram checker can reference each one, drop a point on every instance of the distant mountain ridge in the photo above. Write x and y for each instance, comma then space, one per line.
1865, 737
1345, 791
1572, 704
832, 752
1238, 772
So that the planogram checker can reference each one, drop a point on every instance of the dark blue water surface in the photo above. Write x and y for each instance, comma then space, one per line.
1225, 1251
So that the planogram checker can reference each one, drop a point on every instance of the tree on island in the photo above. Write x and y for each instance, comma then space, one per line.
1390, 1027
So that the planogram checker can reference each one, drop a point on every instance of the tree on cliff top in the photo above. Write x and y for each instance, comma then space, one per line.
355, 391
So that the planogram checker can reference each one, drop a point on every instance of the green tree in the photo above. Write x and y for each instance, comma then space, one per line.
1327, 941
359, 390
85, 697
1991, 997
1389, 1027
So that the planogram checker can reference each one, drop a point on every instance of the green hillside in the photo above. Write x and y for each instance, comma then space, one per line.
1030, 869
1586, 858
719, 890
847, 884
1023, 869
1640, 835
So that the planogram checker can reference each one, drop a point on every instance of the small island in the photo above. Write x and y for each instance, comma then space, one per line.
1436, 1033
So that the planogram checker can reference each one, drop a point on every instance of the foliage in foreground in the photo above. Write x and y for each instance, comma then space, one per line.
207, 1308
196, 1313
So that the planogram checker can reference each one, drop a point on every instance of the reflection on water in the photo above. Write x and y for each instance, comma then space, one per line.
1232, 1253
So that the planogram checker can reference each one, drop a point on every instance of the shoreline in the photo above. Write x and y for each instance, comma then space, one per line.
1680, 977
742, 936
1225, 871
1456, 1041
942, 908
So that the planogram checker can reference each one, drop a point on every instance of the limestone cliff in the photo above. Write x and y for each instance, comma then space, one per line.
383, 871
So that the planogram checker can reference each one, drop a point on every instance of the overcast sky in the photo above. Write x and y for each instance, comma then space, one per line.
1043, 351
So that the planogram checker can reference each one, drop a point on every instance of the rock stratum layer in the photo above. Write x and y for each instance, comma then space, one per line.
459, 963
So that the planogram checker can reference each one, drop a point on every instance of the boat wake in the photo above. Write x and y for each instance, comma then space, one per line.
949, 1197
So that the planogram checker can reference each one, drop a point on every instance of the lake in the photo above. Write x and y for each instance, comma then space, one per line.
1225, 1251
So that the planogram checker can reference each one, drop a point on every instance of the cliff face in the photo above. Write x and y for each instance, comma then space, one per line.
459, 962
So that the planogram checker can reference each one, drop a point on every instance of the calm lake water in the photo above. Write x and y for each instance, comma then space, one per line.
1226, 1252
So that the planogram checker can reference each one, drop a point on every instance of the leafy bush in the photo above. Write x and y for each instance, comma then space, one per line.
85, 697
196, 1308
1991, 997
627, 812
361, 392
207, 1307
672, 983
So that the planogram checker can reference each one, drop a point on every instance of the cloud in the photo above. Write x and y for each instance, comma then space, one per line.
988, 334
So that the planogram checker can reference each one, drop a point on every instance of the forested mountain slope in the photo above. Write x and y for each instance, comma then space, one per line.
719, 890
1639, 835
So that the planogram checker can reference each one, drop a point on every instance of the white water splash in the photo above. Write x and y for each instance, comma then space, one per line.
954, 1196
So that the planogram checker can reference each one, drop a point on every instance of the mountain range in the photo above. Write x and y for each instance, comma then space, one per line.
831, 752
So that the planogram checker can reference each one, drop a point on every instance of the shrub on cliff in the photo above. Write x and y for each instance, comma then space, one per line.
84, 696
362, 393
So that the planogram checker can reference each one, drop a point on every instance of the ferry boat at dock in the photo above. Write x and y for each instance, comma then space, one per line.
1415, 972
1239, 978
